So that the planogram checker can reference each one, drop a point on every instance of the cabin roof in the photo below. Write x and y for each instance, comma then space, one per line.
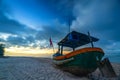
75, 39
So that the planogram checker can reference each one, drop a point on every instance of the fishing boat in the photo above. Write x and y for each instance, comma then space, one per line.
80, 61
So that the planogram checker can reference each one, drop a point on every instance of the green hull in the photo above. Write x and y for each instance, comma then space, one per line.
83, 64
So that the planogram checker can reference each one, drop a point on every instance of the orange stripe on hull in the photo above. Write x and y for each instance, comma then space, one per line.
79, 51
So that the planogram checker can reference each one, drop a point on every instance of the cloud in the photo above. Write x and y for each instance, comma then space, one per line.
62, 9
99, 17
28, 41
56, 31
16, 40
12, 26
13, 32
8, 25
2, 40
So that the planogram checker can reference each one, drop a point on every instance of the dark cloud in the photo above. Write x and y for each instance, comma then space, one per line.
30, 39
13, 27
2, 40
56, 31
21, 41
62, 9
102, 17
8, 25
16, 40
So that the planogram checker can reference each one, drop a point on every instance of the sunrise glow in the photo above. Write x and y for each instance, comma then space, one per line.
22, 51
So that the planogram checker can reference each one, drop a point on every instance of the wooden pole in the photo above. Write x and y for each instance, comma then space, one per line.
90, 40
62, 49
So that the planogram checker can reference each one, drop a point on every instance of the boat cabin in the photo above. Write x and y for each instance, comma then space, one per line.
75, 39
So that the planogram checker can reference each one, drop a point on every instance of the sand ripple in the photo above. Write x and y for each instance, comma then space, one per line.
18, 68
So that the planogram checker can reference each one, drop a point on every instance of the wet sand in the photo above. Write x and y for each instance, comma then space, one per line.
27, 68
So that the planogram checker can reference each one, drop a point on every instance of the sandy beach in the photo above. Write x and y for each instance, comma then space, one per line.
28, 68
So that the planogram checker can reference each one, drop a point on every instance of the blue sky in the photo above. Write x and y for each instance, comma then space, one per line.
30, 12
29, 22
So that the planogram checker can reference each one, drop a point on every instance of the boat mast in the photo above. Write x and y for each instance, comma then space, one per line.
69, 19
90, 40
69, 25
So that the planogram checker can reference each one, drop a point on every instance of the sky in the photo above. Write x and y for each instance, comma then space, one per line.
30, 23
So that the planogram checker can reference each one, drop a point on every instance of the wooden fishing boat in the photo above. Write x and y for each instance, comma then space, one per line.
81, 61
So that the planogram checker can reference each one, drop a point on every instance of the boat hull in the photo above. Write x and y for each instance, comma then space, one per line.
81, 64
78, 71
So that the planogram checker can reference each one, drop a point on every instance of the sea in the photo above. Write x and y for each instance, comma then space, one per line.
113, 57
